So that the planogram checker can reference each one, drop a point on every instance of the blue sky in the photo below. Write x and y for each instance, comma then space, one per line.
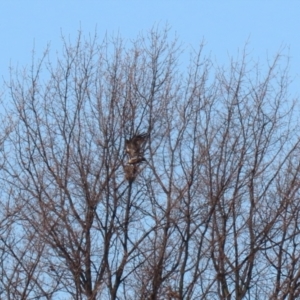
224, 25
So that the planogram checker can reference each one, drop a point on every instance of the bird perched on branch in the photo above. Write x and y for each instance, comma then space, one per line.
134, 147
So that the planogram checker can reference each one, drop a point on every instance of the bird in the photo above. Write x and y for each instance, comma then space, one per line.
134, 147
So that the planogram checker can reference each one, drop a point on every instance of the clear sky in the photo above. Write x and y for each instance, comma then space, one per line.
224, 25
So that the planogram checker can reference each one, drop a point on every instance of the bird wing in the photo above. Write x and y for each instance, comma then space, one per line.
130, 148
139, 139
134, 146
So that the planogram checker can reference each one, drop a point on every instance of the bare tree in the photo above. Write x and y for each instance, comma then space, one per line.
209, 212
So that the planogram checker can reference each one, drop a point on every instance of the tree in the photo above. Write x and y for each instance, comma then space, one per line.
211, 214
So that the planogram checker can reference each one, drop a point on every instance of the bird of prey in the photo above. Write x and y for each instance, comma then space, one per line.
134, 147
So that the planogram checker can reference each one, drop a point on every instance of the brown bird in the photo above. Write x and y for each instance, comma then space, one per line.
134, 147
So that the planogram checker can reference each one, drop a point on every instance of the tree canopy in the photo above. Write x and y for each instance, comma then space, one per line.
211, 213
